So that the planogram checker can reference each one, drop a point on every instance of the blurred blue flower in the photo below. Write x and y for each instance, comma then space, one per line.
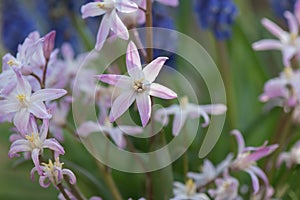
279, 6
16, 24
217, 15
162, 19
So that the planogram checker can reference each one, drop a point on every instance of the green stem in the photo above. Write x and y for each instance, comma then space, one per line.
224, 67
74, 190
62, 190
109, 181
43, 83
185, 155
280, 136
149, 33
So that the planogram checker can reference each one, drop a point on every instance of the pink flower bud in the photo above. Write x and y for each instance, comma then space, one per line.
49, 40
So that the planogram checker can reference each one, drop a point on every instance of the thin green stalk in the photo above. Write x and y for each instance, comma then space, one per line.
149, 33
224, 67
74, 190
109, 181
62, 190
279, 138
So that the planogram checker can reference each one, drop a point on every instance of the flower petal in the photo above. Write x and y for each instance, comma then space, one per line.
173, 3
102, 32
35, 158
267, 44
214, 109
70, 174
117, 136
39, 110
152, 69
131, 130
126, 6
21, 120
273, 28
121, 104
20, 145
178, 122
161, 91
117, 26
23, 86
7, 106
292, 21
143, 102
91, 10
53, 145
240, 140
47, 95
117, 80
43, 183
261, 152
133, 59
255, 182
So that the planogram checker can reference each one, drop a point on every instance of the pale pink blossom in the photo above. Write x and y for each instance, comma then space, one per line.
110, 20
288, 43
137, 86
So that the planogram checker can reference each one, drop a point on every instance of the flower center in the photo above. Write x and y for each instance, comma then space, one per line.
242, 162
139, 86
22, 100
106, 6
52, 170
190, 187
34, 140
12, 63
184, 101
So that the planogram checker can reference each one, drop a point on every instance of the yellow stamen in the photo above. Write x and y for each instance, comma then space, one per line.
184, 101
288, 71
12, 63
138, 86
190, 187
21, 97
101, 5
30, 138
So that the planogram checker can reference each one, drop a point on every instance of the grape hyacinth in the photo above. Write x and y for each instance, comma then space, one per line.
217, 15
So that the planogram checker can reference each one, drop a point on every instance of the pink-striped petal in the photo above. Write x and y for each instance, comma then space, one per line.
23, 86
35, 158
152, 69
117, 26
131, 130
133, 60
21, 120
44, 129
53, 145
7, 106
261, 152
44, 181
240, 140
267, 44
102, 32
292, 21
91, 10
288, 53
39, 110
126, 6
173, 3
273, 28
47, 95
19, 146
70, 174
214, 109
117, 136
143, 102
255, 182
178, 122
121, 104
117, 80
161, 91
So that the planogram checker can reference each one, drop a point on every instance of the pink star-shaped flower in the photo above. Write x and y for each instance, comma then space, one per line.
137, 86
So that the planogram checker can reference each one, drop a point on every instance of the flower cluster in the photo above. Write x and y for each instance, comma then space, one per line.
217, 15
227, 186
